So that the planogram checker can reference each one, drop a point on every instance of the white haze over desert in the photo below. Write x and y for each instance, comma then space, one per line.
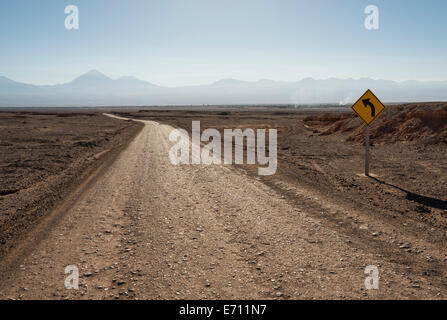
95, 88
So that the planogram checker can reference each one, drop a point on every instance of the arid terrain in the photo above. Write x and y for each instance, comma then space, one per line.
46, 155
100, 193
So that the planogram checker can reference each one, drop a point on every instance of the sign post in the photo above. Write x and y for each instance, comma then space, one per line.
368, 107
367, 152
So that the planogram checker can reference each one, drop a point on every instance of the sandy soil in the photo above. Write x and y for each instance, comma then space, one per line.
44, 156
144, 228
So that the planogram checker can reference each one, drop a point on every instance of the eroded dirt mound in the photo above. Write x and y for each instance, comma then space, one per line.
421, 123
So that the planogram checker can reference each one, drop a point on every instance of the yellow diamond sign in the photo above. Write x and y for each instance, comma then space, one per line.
368, 107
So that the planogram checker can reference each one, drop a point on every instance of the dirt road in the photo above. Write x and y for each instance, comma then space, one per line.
146, 229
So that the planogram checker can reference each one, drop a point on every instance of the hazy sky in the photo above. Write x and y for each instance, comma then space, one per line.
186, 42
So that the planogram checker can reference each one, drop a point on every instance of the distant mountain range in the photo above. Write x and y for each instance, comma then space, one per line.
96, 89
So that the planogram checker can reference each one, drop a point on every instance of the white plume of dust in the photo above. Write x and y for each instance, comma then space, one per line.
346, 101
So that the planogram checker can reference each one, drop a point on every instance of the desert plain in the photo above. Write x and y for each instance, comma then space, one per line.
79, 187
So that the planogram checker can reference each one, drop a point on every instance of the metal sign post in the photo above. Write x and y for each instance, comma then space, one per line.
367, 152
368, 107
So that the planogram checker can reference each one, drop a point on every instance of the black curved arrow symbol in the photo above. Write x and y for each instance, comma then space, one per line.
367, 103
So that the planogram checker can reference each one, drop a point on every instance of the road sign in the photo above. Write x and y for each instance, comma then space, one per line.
368, 107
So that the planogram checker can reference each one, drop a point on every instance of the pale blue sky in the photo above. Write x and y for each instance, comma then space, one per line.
187, 42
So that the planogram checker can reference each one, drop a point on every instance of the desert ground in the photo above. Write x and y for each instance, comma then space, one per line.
87, 189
